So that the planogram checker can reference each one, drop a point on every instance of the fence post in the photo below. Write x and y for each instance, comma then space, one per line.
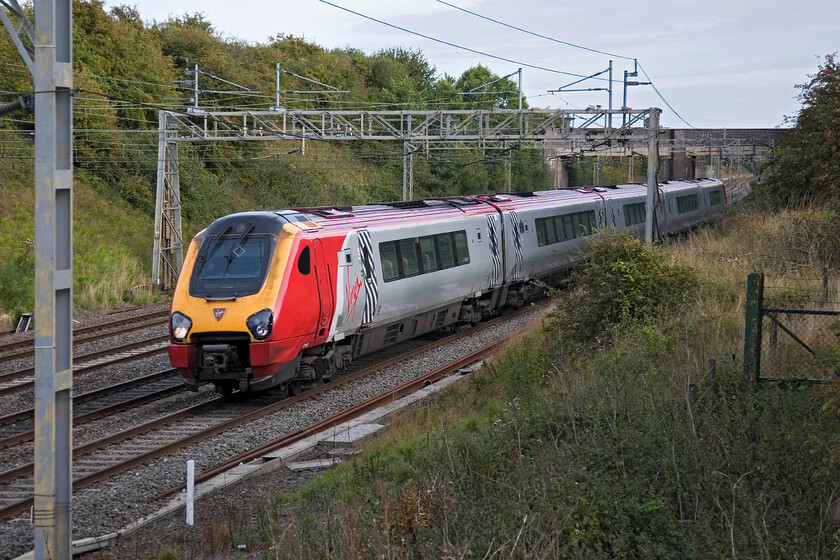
825, 285
752, 330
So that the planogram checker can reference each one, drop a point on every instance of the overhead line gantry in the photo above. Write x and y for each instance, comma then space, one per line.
419, 131
581, 132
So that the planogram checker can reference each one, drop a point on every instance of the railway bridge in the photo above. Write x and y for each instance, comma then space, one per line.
683, 153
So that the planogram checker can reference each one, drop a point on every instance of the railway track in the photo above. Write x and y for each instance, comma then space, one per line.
345, 415
20, 349
23, 379
105, 458
17, 427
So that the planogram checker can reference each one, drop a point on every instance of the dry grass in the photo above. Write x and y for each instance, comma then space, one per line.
112, 286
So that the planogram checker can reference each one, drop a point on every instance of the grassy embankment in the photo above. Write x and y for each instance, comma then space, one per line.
614, 443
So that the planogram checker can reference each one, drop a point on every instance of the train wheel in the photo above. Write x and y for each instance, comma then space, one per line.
226, 391
295, 387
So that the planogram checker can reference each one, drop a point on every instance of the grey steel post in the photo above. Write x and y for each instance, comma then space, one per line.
609, 117
53, 81
652, 183
408, 172
277, 87
161, 174
195, 87
519, 89
624, 102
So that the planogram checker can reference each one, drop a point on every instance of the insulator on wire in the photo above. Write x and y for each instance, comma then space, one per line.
23, 103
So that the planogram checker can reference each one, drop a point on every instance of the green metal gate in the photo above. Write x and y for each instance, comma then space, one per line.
787, 343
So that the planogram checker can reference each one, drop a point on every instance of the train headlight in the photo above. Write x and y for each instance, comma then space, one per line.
260, 324
180, 325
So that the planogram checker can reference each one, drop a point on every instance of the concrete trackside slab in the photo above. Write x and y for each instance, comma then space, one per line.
316, 464
352, 436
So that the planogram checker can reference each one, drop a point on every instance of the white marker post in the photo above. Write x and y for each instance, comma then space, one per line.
190, 491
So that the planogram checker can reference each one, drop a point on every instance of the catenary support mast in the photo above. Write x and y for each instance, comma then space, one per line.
47, 51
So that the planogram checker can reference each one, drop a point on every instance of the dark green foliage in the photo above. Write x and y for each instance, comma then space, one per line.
804, 167
500, 93
624, 282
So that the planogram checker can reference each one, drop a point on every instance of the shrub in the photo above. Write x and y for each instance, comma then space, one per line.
624, 281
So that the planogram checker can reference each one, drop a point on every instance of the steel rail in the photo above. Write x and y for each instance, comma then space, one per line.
85, 417
88, 334
85, 481
365, 406
77, 370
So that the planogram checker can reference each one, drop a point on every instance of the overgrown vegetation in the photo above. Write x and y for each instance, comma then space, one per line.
624, 282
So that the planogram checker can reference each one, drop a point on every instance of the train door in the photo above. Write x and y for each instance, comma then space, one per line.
350, 293
602, 215
325, 293
663, 213
495, 243
514, 243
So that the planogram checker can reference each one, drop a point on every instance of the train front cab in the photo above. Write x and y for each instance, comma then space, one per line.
247, 322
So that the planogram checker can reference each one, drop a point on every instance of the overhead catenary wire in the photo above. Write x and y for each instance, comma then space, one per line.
450, 44
655, 89
533, 33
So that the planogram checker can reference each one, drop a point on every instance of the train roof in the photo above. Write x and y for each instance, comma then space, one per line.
400, 213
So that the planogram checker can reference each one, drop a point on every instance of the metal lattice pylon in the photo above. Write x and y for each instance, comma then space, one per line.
169, 246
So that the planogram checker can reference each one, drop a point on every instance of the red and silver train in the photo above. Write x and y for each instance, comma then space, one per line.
288, 297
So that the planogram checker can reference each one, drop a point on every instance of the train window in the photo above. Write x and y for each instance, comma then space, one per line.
388, 254
446, 250
634, 214
577, 226
304, 262
550, 234
462, 249
687, 203
569, 226
588, 222
428, 257
561, 229
408, 258
715, 197
233, 265
540, 232
367, 262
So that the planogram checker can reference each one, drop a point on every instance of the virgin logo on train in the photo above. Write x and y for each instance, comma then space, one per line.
219, 312
352, 293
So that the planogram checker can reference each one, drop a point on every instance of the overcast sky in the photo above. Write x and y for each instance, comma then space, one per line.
719, 63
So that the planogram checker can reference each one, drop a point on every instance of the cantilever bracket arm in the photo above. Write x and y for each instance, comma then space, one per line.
27, 52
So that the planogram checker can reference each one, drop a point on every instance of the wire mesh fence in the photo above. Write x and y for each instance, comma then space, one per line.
792, 330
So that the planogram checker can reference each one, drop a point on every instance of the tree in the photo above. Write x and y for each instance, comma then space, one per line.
404, 78
497, 93
805, 166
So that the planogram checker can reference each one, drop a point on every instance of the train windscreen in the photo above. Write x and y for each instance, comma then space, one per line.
230, 266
